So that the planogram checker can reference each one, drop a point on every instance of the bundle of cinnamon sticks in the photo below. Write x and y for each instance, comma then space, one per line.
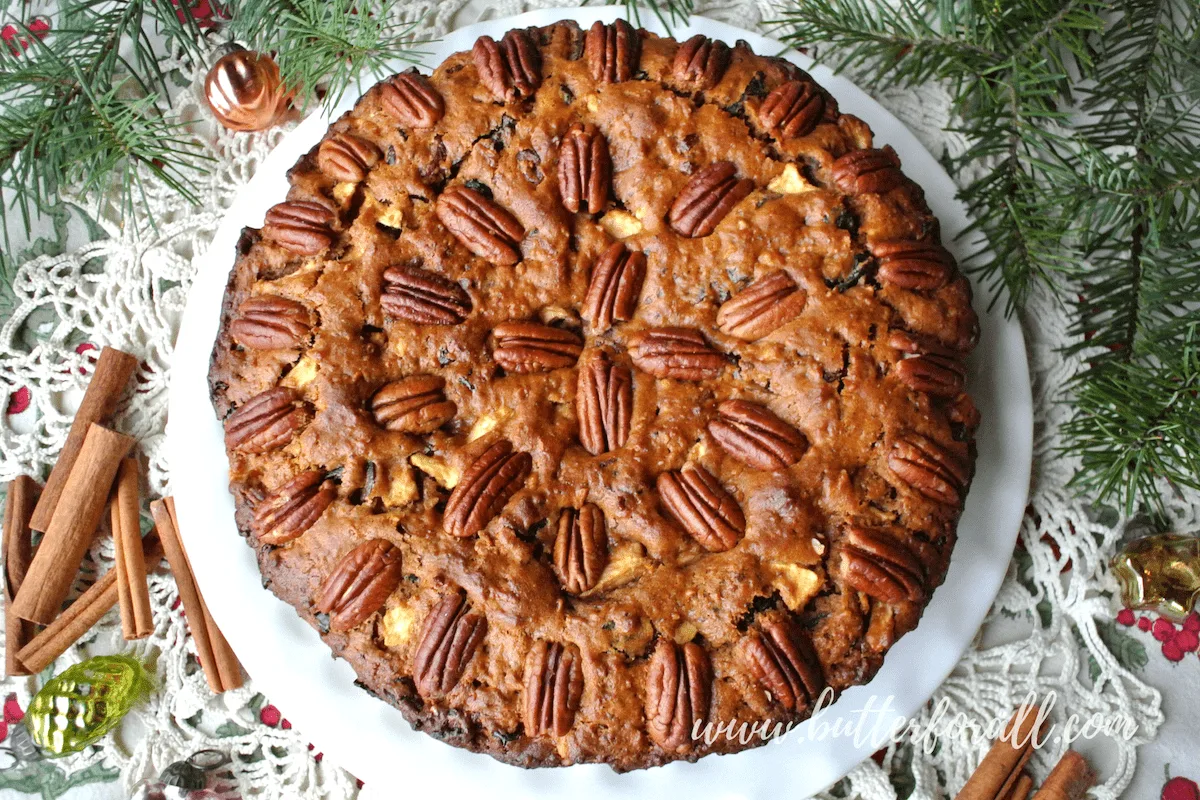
1002, 776
94, 470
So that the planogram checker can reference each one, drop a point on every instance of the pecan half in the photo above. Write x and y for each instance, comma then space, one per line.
756, 437
701, 505
678, 353
451, 635
929, 468
485, 487
964, 416
416, 404
346, 157
867, 171
266, 421
270, 322
553, 688
512, 69
761, 308
794, 109
917, 266
360, 584
701, 62
612, 51
783, 660
420, 296
484, 228
678, 693
411, 99
615, 286
293, 509
878, 565
302, 226
707, 197
581, 548
533, 347
929, 367
604, 404
584, 170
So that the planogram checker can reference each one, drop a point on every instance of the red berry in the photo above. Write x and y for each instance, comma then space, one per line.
1163, 630
1192, 623
1125, 616
269, 715
287, 726
1180, 789
12, 710
19, 400
3, 731
1172, 651
1144, 624
1188, 641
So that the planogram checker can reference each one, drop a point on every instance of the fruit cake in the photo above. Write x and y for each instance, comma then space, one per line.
595, 388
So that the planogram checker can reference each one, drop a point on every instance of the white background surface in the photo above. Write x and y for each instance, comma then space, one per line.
289, 662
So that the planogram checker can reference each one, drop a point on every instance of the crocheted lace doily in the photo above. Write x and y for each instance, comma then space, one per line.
128, 288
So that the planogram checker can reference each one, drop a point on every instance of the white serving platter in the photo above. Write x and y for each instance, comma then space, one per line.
291, 665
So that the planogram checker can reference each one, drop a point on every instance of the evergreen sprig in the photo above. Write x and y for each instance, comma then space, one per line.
668, 12
86, 105
86, 108
334, 44
1135, 416
1082, 118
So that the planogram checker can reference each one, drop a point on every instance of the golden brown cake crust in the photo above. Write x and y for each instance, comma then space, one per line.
559, 500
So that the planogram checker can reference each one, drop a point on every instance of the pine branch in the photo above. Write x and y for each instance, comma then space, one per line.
667, 12
87, 107
1138, 319
8, 274
334, 43
1135, 425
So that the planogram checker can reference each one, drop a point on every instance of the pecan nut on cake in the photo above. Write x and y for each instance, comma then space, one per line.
597, 387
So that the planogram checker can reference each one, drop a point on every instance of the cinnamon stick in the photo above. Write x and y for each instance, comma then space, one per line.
18, 549
133, 593
108, 382
1021, 789
1001, 768
56, 564
81, 615
220, 665
1070, 779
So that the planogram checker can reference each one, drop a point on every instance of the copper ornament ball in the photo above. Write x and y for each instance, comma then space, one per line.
245, 92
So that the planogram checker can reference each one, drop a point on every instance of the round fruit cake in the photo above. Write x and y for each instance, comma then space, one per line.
598, 387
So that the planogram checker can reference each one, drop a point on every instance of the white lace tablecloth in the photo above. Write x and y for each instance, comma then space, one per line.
1053, 626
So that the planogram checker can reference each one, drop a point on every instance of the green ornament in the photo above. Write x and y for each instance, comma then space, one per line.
84, 702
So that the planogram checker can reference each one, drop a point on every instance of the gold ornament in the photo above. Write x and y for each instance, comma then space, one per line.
245, 91
1161, 574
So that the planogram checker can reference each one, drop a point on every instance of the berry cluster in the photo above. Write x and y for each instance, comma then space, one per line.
1177, 640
